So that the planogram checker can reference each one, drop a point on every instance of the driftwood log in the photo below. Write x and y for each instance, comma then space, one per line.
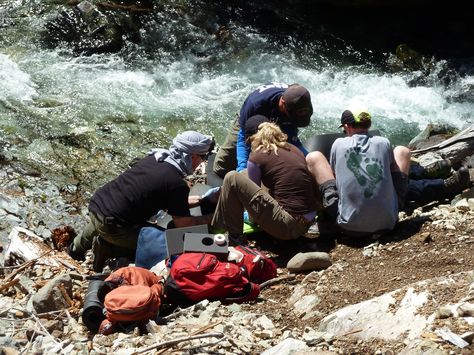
25, 246
458, 149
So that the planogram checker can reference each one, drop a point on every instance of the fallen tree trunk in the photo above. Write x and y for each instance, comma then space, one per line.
456, 149
25, 246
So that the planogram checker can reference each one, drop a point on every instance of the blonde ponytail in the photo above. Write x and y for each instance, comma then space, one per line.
269, 137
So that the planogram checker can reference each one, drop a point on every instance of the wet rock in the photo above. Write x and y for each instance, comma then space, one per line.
309, 261
465, 94
89, 29
432, 134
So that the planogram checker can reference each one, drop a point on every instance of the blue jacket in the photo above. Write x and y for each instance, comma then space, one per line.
264, 101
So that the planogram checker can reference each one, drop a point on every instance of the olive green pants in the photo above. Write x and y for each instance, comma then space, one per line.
125, 236
226, 156
238, 192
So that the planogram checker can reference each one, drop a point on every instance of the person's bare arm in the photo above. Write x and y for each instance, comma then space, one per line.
194, 200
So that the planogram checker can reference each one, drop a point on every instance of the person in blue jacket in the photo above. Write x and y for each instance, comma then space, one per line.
289, 106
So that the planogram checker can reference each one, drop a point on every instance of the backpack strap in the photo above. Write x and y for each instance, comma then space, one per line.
250, 292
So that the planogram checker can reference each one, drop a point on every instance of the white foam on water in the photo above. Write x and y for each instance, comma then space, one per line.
16, 84
102, 86
388, 97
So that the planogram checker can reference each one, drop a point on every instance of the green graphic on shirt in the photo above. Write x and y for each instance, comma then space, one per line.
368, 172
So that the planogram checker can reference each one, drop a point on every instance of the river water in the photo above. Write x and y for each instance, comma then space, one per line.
53, 103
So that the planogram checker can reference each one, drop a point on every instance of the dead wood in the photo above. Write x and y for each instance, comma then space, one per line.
25, 246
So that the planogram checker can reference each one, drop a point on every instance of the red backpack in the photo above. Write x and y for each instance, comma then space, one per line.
135, 296
197, 276
258, 267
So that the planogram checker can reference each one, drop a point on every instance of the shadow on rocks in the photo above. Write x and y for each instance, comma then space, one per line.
403, 230
282, 251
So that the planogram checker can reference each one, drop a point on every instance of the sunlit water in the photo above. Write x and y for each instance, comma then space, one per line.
50, 93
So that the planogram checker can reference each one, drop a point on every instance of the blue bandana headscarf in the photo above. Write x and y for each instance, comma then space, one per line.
184, 145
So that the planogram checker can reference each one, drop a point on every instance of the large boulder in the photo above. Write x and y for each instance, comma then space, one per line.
412, 312
95, 28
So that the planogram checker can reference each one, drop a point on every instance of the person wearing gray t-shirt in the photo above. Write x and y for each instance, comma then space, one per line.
365, 180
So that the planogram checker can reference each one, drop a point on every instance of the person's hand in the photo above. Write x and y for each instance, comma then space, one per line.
194, 200
212, 195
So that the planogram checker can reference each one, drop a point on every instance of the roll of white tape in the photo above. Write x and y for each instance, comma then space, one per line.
219, 239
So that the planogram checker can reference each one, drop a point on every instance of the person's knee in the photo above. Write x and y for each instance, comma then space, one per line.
402, 157
314, 157
231, 177
402, 152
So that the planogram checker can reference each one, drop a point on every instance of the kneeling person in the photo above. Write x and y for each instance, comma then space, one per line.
289, 208
121, 207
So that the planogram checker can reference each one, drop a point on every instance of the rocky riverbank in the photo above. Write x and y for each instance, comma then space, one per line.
409, 291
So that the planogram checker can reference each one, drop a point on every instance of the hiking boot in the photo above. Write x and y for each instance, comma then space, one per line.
440, 169
457, 182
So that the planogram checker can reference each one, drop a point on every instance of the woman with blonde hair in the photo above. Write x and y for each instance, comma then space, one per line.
289, 207
269, 137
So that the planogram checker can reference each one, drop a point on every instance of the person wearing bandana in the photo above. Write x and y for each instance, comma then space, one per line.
122, 206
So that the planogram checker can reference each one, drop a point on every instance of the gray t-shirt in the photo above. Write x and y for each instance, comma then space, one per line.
367, 197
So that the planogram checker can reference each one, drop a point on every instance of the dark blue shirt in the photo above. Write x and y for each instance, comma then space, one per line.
264, 101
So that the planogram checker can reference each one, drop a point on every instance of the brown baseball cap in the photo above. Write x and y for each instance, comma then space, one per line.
298, 105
